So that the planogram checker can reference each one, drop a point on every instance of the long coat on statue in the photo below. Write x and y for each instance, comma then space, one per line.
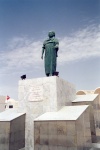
50, 47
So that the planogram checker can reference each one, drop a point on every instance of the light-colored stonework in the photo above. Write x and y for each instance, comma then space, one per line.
64, 127
52, 92
12, 130
67, 129
40, 95
13, 103
85, 92
93, 101
2, 103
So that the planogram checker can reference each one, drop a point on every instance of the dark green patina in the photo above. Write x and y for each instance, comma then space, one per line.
50, 47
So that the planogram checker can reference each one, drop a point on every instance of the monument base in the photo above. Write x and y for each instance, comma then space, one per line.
68, 128
93, 101
40, 95
12, 130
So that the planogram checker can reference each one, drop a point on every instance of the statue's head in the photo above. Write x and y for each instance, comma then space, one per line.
51, 34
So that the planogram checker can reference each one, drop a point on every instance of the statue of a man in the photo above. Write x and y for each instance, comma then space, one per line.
50, 47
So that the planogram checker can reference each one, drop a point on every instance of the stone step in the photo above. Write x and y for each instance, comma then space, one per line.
95, 146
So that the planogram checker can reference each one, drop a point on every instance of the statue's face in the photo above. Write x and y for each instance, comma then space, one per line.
51, 34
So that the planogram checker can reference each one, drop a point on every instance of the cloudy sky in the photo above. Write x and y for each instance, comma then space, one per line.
24, 25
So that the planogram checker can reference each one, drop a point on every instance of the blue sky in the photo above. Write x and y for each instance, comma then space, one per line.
24, 25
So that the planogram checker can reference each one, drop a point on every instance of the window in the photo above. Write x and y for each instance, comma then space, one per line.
10, 106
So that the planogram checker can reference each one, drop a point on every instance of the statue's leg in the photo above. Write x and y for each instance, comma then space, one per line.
47, 74
52, 74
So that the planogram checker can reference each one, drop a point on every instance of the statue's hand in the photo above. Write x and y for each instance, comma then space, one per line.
41, 57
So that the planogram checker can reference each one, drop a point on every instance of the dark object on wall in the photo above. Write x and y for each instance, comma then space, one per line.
23, 77
10, 106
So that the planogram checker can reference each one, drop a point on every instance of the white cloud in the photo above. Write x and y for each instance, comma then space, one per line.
82, 44
23, 52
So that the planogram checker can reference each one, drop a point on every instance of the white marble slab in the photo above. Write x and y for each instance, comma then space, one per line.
40, 95
12, 130
93, 101
9, 115
83, 98
68, 128
66, 113
51, 92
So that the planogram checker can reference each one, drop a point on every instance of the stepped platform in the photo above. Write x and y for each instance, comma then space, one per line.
40, 95
68, 129
93, 101
12, 130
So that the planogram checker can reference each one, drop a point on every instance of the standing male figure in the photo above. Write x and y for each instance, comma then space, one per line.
50, 47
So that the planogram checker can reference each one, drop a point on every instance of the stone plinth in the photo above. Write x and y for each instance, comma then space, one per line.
37, 96
12, 130
67, 129
51, 92
93, 101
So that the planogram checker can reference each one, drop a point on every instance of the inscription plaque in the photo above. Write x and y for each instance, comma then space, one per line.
35, 94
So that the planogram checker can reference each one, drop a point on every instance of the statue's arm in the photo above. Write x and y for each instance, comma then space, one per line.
43, 48
56, 47
57, 44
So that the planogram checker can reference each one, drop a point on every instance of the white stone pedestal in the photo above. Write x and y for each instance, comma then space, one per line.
93, 101
12, 130
51, 92
67, 129
40, 95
